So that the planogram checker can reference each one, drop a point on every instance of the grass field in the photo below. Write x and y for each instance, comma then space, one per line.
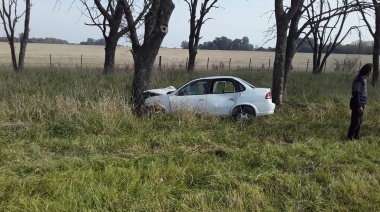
77, 56
69, 142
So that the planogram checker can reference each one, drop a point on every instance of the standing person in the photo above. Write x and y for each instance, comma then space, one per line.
358, 100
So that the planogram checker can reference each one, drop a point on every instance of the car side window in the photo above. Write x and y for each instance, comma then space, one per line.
223, 86
195, 88
240, 87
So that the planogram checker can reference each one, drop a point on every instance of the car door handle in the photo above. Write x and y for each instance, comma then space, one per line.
232, 99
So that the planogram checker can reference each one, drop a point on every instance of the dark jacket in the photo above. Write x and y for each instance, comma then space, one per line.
359, 92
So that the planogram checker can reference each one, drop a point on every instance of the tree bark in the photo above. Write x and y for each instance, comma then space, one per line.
279, 65
283, 20
110, 52
24, 38
192, 56
13, 52
376, 45
143, 68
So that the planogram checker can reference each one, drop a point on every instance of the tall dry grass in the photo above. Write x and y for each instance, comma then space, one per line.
70, 143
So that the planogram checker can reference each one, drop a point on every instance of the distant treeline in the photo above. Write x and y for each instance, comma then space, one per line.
91, 41
224, 43
356, 47
38, 40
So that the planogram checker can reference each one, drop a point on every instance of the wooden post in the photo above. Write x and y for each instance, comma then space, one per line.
250, 62
159, 64
187, 62
50, 60
81, 61
307, 66
208, 61
229, 65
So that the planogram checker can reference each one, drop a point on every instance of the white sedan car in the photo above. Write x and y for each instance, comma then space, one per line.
217, 95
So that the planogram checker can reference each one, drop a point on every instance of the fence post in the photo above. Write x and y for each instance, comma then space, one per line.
307, 66
229, 65
187, 62
250, 61
208, 60
50, 60
81, 61
159, 64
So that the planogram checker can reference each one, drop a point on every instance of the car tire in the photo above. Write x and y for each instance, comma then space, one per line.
244, 114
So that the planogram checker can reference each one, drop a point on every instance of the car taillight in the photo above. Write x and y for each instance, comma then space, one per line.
268, 95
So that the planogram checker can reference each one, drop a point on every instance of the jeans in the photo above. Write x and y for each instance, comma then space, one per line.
356, 122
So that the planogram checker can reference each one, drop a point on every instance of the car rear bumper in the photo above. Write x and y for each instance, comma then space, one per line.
266, 108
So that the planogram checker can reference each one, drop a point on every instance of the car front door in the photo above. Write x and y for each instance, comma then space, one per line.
190, 97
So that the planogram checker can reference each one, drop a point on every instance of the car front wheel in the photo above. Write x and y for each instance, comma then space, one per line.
244, 113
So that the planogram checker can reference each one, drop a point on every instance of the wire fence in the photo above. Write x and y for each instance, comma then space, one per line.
164, 63
92, 57
161, 63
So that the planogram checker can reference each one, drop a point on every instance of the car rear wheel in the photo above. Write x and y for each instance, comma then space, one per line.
244, 114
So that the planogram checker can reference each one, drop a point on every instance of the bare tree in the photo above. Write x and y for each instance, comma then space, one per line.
145, 51
373, 10
327, 34
196, 26
108, 18
287, 27
10, 16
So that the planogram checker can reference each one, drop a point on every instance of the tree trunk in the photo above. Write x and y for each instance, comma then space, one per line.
143, 68
279, 65
375, 59
13, 53
192, 55
156, 28
109, 59
376, 47
193, 35
282, 22
24, 38
144, 58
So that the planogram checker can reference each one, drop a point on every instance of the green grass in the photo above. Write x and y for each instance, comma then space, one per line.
69, 142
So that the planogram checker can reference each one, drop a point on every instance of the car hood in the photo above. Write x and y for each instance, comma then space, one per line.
160, 91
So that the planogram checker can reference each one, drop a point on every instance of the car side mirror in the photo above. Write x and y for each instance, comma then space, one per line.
170, 92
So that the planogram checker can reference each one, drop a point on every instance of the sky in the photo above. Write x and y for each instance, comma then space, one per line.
233, 19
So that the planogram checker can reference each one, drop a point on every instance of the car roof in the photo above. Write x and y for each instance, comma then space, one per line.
218, 77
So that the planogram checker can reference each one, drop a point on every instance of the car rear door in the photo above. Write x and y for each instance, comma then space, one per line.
223, 96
